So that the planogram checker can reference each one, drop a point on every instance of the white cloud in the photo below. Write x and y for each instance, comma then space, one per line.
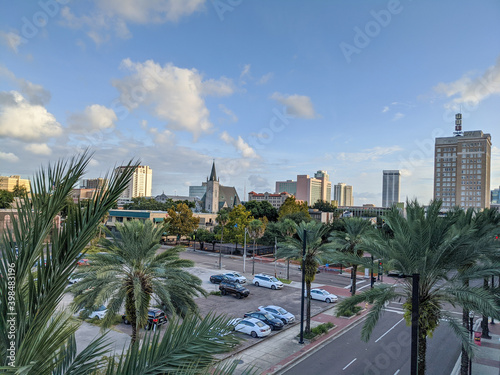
38, 148
10, 39
398, 116
228, 112
245, 71
369, 154
242, 147
258, 182
172, 94
296, 105
471, 91
25, 121
165, 137
94, 118
34, 93
386, 109
8, 156
265, 78
113, 15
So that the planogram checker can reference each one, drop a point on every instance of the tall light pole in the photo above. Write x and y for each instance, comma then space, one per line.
245, 250
275, 248
471, 329
303, 269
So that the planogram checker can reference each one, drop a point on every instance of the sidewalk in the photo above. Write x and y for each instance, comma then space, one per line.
487, 359
275, 353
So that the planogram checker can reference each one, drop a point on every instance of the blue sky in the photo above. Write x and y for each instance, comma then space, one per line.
267, 89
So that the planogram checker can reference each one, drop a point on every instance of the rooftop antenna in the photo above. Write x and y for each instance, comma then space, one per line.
458, 125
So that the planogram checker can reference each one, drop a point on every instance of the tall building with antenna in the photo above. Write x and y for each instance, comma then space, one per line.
462, 167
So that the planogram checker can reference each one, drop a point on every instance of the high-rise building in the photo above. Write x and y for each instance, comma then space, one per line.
288, 186
462, 168
342, 193
326, 185
94, 183
140, 184
9, 183
391, 184
495, 196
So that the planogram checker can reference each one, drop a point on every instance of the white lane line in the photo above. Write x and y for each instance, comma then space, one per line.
400, 312
364, 287
390, 329
350, 363
397, 372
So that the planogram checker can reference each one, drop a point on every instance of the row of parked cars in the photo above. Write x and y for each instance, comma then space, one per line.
261, 322
232, 283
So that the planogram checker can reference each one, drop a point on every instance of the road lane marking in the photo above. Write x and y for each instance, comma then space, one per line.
397, 372
400, 312
364, 287
350, 363
390, 329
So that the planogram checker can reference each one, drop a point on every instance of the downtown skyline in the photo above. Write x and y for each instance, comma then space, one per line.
268, 90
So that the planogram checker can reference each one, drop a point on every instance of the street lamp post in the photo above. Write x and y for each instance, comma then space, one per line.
471, 329
245, 250
301, 341
371, 275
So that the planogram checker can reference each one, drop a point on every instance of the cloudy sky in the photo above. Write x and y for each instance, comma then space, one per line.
269, 89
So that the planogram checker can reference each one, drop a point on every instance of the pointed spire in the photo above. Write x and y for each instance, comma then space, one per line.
213, 175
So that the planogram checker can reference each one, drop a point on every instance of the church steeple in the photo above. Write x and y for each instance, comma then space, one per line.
213, 175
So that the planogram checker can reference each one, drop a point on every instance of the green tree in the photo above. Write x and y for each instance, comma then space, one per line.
203, 235
130, 273
357, 232
433, 246
19, 191
6, 198
291, 207
261, 209
326, 207
180, 221
316, 250
256, 230
239, 218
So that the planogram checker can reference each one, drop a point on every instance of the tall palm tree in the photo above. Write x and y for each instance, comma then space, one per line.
352, 240
317, 249
130, 273
222, 219
433, 246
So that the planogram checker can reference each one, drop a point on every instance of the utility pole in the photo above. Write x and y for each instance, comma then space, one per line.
245, 251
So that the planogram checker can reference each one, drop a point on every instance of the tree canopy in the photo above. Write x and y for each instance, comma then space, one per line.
180, 221
291, 209
261, 209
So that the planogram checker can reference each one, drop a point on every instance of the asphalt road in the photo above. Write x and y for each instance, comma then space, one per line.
387, 352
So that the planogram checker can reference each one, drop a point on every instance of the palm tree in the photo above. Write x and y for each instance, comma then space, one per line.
352, 240
222, 219
45, 335
130, 273
317, 249
256, 229
433, 246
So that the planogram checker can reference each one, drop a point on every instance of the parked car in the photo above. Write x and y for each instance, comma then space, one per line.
396, 273
98, 313
253, 327
235, 276
278, 312
267, 281
322, 295
73, 279
83, 262
267, 318
156, 317
216, 279
233, 287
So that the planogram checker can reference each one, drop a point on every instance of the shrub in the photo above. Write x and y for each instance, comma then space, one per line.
215, 293
348, 312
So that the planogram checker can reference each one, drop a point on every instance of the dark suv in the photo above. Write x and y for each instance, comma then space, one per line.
156, 317
233, 287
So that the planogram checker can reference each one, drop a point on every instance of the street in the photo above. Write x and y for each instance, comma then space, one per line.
387, 352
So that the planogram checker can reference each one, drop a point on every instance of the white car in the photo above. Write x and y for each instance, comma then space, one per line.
322, 295
74, 279
253, 327
278, 312
235, 276
267, 281
99, 313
